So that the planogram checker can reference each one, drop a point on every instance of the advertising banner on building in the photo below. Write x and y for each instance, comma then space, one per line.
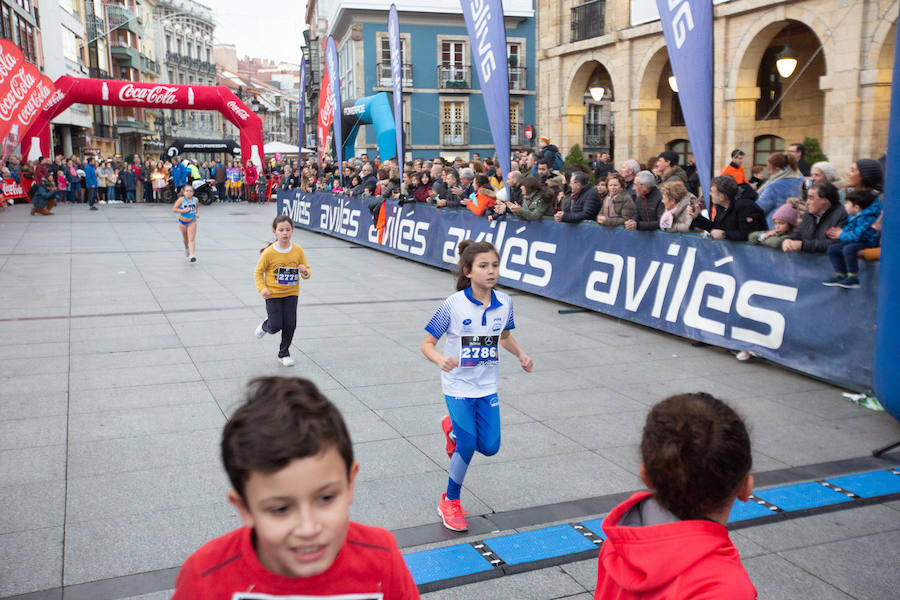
334, 87
397, 80
688, 29
301, 101
728, 294
487, 38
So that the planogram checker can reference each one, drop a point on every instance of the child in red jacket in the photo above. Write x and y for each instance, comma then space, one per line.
671, 542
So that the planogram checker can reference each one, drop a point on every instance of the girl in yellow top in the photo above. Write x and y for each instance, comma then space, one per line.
278, 272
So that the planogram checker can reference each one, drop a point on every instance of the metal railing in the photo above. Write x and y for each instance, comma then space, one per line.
518, 78
588, 20
516, 134
101, 130
149, 66
596, 135
97, 73
454, 133
454, 77
385, 78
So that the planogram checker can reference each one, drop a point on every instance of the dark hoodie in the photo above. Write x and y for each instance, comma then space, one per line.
649, 553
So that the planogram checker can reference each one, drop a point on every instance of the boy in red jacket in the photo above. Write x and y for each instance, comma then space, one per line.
671, 542
289, 457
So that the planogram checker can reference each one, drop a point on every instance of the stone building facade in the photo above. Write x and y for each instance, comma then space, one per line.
838, 94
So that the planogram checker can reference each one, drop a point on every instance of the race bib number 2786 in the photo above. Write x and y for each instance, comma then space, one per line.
478, 350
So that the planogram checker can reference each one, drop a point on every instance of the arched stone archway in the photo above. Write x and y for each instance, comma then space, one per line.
647, 105
875, 87
580, 77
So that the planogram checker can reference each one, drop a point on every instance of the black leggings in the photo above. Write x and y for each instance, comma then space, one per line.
282, 314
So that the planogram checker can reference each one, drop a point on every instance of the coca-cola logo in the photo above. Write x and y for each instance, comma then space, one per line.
19, 85
159, 94
236, 108
8, 63
55, 99
34, 103
11, 188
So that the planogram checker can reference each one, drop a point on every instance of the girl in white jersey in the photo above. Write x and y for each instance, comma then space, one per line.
186, 208
475, 319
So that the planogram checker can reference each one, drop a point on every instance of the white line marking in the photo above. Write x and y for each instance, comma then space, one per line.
723, 261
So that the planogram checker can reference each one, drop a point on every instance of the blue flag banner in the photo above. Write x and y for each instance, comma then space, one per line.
728, 294
487, 38
397, 79
688, 29
334, 84
301, 115
887, 383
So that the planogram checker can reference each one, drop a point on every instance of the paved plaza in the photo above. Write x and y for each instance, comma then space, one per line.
120, 362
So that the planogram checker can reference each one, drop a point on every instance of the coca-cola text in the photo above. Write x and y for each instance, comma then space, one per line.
159, 94
19, 86
236, 109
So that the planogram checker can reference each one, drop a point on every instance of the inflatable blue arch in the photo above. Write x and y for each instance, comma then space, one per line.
371, 110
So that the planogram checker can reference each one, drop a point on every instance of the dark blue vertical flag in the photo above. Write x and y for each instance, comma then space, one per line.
397, 79
688, 28
300, 112
334, 83
487, 36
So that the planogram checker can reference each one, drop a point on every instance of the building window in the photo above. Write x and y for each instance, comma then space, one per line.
178, 46
69, 43
384, 63
6, 23
769, 82
677, 114
516, 127
517, 72
765, 145
346, 71
453, 70
596, 126
588, 20
454, 128
682, 148
168, 43
171, 76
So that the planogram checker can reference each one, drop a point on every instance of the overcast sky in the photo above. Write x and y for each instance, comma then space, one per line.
261, 28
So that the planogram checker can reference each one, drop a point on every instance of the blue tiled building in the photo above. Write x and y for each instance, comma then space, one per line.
443, 108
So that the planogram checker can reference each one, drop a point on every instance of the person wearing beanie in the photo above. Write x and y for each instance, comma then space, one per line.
866, 174
736, 167
785, 219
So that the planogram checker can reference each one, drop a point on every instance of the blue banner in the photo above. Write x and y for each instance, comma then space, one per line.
397, 79
301, 117
728, 294
887, 383
688, 29
487, 38
334, 84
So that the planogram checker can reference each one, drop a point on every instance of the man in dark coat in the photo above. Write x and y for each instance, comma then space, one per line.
824, 211
735, 217
648, 204
584, 203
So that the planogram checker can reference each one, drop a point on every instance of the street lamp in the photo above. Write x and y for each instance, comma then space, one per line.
786, 61
673, 83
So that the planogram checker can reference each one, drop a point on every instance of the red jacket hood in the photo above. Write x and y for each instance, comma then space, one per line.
671, 557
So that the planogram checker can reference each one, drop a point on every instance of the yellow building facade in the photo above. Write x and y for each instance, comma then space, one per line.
839, 92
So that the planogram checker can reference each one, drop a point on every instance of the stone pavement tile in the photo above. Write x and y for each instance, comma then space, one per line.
879, 428
88, 334
119, 455
364, 348
595, 400
822, 528
115, 377
91, 306
546, 480
799, 444
215, 333
250, 349
31, 433
152, 490
825, 403
216, 313
32, 464
134, 543
776, 382
50, 309
88, 427
387, 370
894, 505
628, 456
35, 384
307, 331
119, 321
24, 406
543, 584
422, 420
390, 458
650, 391
262, 362
406, 501
228, 393
163, 595
777, 579
515, 381
126, 344
761, 412
32, 505
30, 560
393, 395
584, 572
136, 358
345, 401
762, 461
139, 397
36, 351
35, 332
367, 426
746, 547
602, 431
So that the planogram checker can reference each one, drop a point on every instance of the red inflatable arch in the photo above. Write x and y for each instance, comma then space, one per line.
109, 92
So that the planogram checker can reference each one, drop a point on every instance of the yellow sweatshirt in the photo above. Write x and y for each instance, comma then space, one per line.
278, 271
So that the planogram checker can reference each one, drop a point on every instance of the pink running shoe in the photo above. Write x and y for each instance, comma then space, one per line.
452, 514
447, 426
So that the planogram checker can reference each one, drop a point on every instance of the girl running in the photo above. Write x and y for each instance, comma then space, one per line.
671, 542
277, 275
186, 207
476, 318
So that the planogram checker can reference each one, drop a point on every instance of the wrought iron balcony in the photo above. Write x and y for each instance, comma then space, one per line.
596, 135
518, 78
454, 77
385, 78
454, 133
588, 20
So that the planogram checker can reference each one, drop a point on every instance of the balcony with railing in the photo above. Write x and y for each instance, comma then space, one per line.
125, 52
516, 134
385, 78
94, 27
596, 135
97, 73
149, 66
456, 77
518, 78
454, 133
122, 18
588, 20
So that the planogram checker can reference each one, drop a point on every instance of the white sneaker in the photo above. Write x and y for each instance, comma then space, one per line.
260, 332
745, 355
286, 361
193, 259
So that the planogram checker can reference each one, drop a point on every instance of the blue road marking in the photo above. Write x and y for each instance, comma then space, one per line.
595, 526
741, 511
445, 563
530, 546
801, 496
869, 485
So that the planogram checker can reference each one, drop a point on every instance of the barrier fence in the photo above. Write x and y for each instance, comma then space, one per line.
728, 294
